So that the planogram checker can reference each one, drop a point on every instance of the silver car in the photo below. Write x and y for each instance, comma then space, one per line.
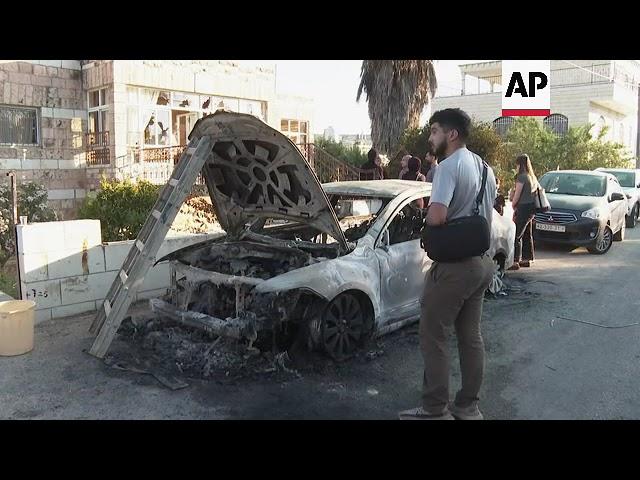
328, 265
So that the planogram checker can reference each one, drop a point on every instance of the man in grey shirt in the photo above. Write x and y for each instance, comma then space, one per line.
454, 291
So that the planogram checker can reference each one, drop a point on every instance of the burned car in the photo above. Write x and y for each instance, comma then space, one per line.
325, 266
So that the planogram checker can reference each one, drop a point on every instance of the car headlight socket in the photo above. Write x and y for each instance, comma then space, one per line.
593, 213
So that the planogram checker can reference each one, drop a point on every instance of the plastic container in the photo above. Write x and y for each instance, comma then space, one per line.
16, 327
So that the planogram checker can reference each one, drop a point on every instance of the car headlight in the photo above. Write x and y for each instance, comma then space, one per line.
592, 213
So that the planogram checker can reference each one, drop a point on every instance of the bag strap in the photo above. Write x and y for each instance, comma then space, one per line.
476, 210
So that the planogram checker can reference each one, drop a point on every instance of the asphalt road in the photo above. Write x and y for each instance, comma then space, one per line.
538, 365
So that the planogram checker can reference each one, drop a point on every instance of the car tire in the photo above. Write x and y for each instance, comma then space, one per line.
632, 219
619, 237
603, 243
347, 323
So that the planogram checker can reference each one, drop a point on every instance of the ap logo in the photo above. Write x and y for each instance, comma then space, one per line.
525, 88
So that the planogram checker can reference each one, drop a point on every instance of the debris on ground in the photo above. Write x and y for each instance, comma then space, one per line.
498, 286
373, 354
147, 367
173, 353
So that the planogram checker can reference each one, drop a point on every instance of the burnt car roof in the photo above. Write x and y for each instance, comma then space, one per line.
376, 188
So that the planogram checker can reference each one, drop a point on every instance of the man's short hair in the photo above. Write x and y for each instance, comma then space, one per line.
372, 155
453, 119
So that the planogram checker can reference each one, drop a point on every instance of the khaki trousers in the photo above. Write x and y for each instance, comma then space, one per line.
453, 296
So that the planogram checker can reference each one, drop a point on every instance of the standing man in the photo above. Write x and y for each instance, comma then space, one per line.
432, 162
454, 292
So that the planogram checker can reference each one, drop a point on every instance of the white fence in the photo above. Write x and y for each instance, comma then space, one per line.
66, 269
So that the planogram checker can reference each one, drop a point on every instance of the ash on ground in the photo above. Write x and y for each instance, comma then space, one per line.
173, 353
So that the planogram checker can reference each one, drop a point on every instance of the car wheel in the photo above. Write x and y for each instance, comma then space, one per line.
632, 219
619, 237
603, 243
346, 324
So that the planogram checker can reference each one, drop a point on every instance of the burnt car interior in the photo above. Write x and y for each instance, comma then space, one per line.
357, 213
408, 222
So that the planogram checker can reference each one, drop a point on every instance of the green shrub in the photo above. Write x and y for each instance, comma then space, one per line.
122, 208
32, 202
577, 149
351, 155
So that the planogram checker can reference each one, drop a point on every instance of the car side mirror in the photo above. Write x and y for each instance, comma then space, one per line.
616, 196
638, 186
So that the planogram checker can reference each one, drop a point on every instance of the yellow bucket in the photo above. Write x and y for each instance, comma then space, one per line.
16, 327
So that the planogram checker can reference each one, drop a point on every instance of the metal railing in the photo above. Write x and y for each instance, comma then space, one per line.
97, 148
96, 139
161, 154
330, 169
18, 126
156, 165
98, 156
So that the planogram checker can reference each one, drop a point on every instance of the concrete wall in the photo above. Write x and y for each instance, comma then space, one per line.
66, 269
55, 88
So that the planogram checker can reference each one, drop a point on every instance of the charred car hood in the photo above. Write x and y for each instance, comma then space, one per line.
254, 171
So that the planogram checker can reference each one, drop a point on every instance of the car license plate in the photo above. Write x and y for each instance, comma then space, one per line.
550, 228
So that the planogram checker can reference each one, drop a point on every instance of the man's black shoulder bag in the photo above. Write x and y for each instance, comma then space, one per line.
460, 238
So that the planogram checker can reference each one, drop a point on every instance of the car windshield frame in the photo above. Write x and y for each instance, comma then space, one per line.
565, 188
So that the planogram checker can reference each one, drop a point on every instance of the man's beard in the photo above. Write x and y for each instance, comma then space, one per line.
439, 150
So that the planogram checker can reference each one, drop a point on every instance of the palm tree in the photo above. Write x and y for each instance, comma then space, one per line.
397, 92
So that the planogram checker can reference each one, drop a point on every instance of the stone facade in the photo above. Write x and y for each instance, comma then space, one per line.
55, 88
59, 90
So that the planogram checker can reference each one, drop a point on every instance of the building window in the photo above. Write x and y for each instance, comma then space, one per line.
296, 130
502, 125
255, 108
159, 118
19, 126
557, 123
98, 134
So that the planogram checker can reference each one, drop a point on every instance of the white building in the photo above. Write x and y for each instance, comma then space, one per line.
66, 123
600, 92
362, 141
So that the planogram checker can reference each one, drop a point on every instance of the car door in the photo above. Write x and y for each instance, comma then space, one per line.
618, 207
403, 262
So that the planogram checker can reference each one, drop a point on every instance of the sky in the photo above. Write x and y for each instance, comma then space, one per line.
334, 85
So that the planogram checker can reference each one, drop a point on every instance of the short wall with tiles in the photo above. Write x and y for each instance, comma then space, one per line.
66, 269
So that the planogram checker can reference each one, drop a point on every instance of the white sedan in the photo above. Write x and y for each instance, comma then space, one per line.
327, 265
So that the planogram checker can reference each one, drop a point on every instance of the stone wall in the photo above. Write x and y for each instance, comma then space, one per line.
55, 88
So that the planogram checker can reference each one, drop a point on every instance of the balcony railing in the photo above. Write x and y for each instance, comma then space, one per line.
96, 139
161, 154
97, 148
156, 164
98, 156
